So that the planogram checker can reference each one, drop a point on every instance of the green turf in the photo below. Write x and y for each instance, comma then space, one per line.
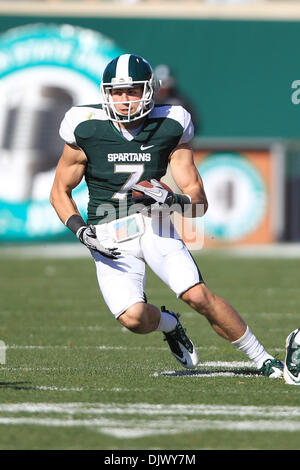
63, 346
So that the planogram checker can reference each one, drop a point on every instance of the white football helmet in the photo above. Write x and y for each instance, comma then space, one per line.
127, 71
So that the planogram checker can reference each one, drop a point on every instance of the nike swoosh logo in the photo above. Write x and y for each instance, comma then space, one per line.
155, 192
143, 147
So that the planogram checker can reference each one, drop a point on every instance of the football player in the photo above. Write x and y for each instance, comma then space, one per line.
291, 371
115, 146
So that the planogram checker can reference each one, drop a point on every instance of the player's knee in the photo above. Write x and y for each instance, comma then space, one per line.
134, 318
199, 298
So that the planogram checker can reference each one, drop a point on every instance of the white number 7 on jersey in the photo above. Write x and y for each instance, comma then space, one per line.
135, 171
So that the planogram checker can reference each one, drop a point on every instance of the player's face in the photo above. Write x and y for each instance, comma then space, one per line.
124, 98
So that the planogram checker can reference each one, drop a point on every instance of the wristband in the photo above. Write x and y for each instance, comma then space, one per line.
75, 222
181, 199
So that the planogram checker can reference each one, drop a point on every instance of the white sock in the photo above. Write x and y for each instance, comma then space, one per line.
250, 345
167, 322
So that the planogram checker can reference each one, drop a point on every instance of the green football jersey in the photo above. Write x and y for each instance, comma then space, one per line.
115, 163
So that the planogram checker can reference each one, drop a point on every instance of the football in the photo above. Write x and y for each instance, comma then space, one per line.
147, 184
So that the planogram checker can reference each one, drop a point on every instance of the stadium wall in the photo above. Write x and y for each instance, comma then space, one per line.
239, 74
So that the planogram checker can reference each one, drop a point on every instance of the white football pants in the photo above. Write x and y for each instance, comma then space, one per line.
123, 281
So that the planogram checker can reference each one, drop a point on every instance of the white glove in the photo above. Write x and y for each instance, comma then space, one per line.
157, 193
87, 236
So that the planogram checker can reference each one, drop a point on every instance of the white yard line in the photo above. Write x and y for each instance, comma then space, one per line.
209, 364
151, 409
62, 346
122, 348
113, 419
136, 429
201, 371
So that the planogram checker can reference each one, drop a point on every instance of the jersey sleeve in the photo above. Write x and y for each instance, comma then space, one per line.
66, 130
188, 128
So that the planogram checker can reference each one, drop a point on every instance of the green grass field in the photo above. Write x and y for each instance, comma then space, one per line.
73, 378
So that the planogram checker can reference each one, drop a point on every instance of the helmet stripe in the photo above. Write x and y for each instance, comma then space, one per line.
122, 69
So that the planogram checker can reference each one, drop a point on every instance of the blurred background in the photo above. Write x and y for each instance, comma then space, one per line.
233, 64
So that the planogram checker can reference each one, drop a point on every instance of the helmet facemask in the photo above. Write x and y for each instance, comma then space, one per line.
128, 71
146, 101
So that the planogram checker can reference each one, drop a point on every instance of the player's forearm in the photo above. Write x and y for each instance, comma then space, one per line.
63, 204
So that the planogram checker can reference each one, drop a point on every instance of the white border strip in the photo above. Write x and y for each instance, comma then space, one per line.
286, 11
